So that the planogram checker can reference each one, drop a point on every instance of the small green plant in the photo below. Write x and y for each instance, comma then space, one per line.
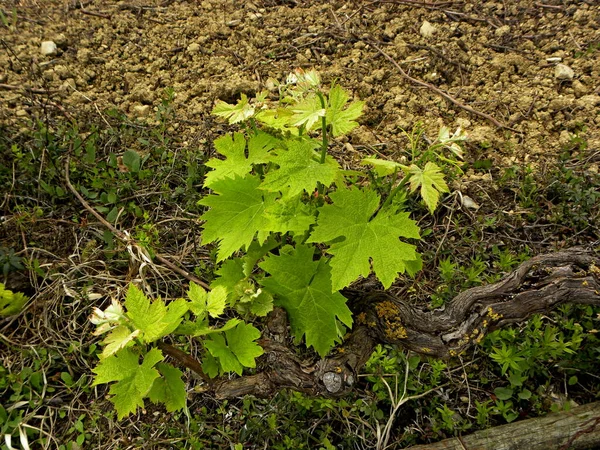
11, 302
9, 261
291, 229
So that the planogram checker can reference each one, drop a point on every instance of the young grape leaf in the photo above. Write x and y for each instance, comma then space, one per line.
357, 239
239, 112
202, 302
279, 119
262, 304
231, 277
117, 339
133, 380
210, 365
292, 216
342, 120
300, 169
239, 351
234, 150
202, 328
153, 319
431, 181
236, 214
307, 112
383, 167
303, 288
169, 389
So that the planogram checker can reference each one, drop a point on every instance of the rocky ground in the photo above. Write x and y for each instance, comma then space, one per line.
524, 76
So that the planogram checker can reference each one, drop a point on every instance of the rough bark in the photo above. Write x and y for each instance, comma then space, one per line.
538, 285
578, 428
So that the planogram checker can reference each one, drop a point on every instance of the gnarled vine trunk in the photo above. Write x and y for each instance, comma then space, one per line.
536, 286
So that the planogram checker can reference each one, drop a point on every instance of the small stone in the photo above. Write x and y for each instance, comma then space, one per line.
48, 48
141, 110
427, 30
193, 48
563, 72
469, 203
21, 113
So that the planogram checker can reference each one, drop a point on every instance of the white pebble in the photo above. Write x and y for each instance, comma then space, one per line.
563, 72
48, 48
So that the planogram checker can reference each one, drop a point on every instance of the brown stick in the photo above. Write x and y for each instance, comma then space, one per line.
96, 14
184, 359
439, 91
125, 238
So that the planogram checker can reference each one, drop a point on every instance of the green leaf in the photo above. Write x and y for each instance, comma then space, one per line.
11, 302
239, 112
303, 288
153, 319
300, 169
118, 338
218, 348
383, 167
262, 304
202, 328
231, 277
241, 342
357, 239
279, 119
292, 216
236, 214
431, 181
525, 394
202, 302
169, 389
210, 365
132, 161
236, 162
341, 120
238, 351
133, 380
307, 112
503, 393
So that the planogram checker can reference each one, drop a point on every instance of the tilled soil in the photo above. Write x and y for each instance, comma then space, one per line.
524, 75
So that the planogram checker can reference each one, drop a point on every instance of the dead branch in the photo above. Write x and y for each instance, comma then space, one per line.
438, 90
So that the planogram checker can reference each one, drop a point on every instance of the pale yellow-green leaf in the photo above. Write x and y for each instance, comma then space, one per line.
383, 167
119, 338
431, 181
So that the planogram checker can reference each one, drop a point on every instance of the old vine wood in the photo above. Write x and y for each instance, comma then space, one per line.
536, 286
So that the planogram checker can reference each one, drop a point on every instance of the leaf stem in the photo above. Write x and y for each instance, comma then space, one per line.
325, 141
394, 191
